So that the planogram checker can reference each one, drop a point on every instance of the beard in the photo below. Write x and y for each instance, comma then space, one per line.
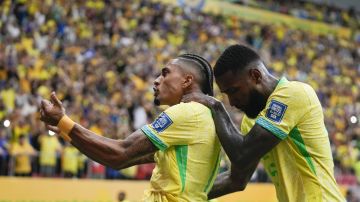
257, 103
156, 101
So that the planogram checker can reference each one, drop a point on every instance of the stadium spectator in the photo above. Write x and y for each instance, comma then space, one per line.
4, 153
50, 149
323, 12
97, 170
69, 161
21, 154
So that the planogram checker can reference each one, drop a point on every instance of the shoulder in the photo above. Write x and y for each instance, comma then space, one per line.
188, 108
294, 90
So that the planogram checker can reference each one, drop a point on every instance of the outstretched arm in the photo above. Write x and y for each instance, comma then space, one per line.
117, 154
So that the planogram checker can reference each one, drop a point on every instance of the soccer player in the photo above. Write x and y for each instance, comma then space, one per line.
283, 125
181, 141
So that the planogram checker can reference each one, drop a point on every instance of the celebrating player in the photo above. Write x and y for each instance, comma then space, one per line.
283, 125
181, 141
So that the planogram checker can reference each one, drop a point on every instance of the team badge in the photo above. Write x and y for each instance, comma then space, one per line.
162, 122
276, 111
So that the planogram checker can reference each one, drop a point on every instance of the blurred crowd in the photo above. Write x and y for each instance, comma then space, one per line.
317, 11
101, 58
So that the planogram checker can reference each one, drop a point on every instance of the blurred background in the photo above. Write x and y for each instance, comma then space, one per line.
101, 58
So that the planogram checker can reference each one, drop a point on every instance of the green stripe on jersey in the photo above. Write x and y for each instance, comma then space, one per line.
213, 175
153, 138
270, 127
295, 136
181, 158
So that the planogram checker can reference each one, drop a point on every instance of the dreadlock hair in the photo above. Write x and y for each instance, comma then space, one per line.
235, 58
205, 68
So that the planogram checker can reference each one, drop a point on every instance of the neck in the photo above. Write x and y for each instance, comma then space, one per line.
186, 92
192, 90
270, 85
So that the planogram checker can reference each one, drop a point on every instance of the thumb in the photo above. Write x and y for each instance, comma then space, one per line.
53, 128
55, 100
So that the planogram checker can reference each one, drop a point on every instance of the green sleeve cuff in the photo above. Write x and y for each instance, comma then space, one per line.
153, 138
270, 127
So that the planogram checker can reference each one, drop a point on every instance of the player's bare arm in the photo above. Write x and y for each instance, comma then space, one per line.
118, 154
231, 181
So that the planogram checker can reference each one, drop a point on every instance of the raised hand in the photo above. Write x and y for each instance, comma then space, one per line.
200, 98
51, 111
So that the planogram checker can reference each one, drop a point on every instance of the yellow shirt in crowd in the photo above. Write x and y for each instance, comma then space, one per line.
49, 146
70, 159
22, 157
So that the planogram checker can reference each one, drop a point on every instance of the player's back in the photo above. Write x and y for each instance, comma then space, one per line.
188, 160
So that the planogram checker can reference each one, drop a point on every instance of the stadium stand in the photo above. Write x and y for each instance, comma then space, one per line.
325, 11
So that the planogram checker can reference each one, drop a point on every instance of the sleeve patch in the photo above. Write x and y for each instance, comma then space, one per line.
276, 111
162, 122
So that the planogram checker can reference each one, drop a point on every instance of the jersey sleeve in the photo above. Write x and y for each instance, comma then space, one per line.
174, 126
284, 110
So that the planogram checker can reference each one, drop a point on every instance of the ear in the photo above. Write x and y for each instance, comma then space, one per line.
255, 75
188, 81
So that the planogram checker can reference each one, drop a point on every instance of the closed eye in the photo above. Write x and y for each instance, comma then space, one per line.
164, 72
230, 91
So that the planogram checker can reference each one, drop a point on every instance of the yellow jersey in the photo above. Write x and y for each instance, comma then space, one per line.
49, 146
70, 159
301, 165
22, 156
188, 158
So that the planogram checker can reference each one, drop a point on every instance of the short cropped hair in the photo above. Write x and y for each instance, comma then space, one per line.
235, 58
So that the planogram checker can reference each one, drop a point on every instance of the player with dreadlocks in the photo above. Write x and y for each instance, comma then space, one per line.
181, 141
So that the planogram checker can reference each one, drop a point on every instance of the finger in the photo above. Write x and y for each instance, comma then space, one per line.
53, 128
55, 100
45, 104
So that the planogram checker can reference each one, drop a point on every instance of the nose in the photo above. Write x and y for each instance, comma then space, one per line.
157, 81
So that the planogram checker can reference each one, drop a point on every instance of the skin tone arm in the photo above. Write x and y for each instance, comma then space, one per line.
118, 154
231, 181
244, 152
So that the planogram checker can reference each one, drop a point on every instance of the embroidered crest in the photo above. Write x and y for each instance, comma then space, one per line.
276, 111
162, 122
